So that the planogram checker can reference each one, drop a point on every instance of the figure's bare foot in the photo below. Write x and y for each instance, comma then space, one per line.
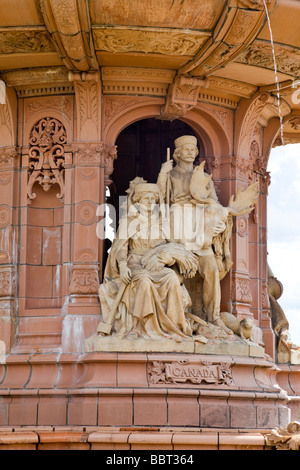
222, 325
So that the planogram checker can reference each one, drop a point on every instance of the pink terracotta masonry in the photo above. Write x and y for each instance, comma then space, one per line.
112, 342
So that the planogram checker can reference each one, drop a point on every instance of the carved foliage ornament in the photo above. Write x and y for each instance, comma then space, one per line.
260, 54
25, 41
167, 42
285, 439
46, 156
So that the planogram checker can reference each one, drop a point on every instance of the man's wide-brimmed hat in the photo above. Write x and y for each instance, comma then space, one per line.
185, 139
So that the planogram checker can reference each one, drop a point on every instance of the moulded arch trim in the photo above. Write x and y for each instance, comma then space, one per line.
212, 134
246, 118
136, 112
44, 113
214, 139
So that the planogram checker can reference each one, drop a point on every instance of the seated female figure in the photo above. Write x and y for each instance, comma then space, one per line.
154, 301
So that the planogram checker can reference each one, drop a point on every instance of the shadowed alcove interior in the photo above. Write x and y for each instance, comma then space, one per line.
142, 148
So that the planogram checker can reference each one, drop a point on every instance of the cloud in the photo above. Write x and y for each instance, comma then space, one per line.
284, 229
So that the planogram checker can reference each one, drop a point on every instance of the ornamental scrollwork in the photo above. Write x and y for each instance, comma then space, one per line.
46, 156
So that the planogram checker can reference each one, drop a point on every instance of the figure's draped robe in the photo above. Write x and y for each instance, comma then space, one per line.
154, 302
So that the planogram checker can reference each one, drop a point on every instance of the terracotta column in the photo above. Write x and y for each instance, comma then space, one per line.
88, 177
264, 317
236, 291
8, 246
9, 194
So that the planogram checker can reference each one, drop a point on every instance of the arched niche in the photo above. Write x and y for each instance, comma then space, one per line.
203, 119
124, 114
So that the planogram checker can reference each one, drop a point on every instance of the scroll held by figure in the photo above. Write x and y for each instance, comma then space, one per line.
172, 234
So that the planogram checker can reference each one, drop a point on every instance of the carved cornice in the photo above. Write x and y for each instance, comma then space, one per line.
232, 87
133, 74
237, 27
39, 81
260, 54
155, 82
14, 41
50, 90
136, 81
35, 76
149, 40
68, 23
187, 14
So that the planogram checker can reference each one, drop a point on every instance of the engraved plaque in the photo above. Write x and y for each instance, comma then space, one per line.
184, 371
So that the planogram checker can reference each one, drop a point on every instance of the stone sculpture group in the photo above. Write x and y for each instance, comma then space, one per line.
172, 232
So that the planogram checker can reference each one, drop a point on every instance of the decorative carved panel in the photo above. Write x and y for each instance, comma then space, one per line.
25, 41
88, 105
84, 280
182, 96
46, 156
162, 41
260, 54
7, 282
241, 291
177, 372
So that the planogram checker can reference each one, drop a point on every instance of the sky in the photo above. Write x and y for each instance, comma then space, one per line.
284, 230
